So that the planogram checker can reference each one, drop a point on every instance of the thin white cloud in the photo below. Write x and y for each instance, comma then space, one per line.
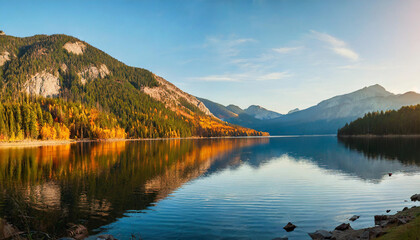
243, 40
217, 78
347, 53
227, 46
274, 76
338, 46
245, 77
286, 49
370, 67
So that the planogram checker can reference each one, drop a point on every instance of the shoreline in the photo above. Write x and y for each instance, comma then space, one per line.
406, 221
39, 143
380, 136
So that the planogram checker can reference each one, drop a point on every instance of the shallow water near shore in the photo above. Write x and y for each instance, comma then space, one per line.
238, 188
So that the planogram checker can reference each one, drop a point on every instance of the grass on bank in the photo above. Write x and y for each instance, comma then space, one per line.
409, 231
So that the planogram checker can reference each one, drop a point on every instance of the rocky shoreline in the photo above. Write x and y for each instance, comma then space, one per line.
383, 225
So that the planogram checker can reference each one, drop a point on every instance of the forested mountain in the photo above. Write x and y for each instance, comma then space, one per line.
405, 121
92, 90
331, 114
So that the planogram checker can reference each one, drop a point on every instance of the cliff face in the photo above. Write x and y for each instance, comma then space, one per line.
75, 47
173, 97
4, 57
44, 84
93, 72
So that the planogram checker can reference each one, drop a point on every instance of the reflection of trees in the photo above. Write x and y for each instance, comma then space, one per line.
97, 182
327, 154
403, 149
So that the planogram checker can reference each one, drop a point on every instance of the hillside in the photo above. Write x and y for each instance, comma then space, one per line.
218, 110
405, 121
33, 69
235, 109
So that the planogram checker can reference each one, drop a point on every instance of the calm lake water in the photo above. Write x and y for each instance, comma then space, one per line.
242, 188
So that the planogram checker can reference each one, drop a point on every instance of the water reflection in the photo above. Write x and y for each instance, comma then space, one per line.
367, 159
94, 183
404, 149
97, 184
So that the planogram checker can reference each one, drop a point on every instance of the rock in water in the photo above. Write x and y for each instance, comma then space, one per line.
354, 218
289, 227
388, 211
281, 238
343, 227
320, 234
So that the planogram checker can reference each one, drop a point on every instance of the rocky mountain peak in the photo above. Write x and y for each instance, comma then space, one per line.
235, 109
261, 113
293, 110
375, 89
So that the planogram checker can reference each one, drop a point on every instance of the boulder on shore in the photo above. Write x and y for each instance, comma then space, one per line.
415, 197
386, 220
343, 227
320, 235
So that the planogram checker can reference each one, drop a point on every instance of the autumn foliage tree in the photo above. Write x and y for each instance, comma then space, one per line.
50, 119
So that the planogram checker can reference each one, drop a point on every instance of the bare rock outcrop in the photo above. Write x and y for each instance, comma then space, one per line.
93, 72
172, 96
76, 47
4, 57
44, 84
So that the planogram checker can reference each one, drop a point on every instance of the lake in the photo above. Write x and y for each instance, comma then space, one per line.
237, 188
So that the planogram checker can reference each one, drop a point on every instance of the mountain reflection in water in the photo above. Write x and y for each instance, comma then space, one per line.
97, 184
94, 183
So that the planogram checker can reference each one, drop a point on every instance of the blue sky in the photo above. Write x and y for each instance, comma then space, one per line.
277, 54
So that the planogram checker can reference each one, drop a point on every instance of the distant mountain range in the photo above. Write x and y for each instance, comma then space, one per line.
233, 111
325, 117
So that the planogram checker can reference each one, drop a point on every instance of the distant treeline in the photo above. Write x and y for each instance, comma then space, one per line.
405, 121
